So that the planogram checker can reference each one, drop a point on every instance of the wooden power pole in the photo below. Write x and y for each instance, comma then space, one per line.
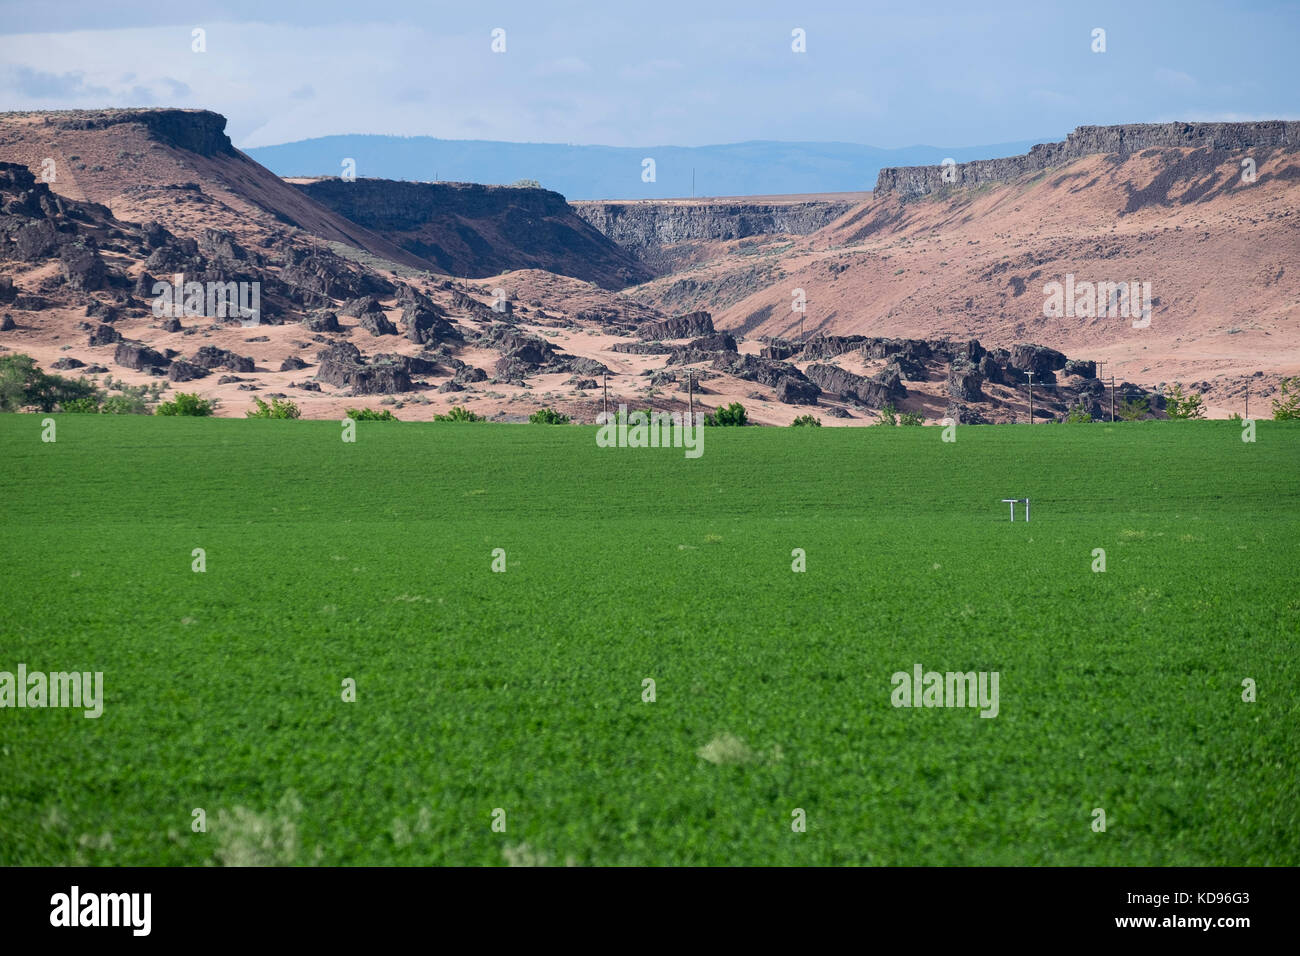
605, 401
1112, 398
1031, 398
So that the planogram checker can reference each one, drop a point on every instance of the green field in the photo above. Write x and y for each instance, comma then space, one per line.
523, 690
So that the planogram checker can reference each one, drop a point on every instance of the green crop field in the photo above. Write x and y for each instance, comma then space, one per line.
523, 691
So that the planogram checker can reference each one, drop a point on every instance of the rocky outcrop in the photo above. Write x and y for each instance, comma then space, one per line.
964, 382
467, 229
914, 181
872, 392
343, 366
209, 356
679, 327
661, 234
199, 131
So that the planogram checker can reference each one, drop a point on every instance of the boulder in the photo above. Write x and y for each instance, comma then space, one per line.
183, 371
138, 356
209, 356
794, 391
324, 321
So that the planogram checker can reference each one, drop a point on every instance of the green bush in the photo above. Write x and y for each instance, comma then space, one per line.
1288, 408
806, 420
1078, 415
188, 404
279, 408
888, 415
548, 416
80, 406
1178, 405
22, 384
371, 415
459, 413
727, 415
526, 184
910, 418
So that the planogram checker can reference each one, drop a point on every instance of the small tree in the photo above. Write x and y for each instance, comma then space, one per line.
727, 415
23, 384
1078, 415
806, 420
1134, 408
279, 408
1288, 408
188, 404
888, 414
548, 416
1178, 405
910, 418
459, 413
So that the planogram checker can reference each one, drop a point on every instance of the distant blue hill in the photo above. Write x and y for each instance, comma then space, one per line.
614, 172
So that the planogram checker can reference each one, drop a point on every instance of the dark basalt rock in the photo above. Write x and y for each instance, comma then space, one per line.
209, 356
322, 322
793, 391
679, 327
376, 323
183, 371
138, 356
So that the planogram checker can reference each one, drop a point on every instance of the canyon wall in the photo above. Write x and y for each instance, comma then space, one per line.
913, 181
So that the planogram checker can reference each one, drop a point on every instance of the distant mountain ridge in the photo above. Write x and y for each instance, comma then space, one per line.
758, 168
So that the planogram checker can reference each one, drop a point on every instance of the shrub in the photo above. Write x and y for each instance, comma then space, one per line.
910, 418
526, 184
188, 404
1133, 409
1288, 408
371, 415
1078, 415
806, 420
23, 384
279, 408
82, 406
459, 413
130, 402
727, 415
548, 416
888, 415
1178, 405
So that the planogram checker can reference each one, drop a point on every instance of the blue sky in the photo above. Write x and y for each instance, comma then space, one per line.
660, 73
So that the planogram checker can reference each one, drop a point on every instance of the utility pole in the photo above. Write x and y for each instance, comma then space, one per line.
1112, 398
690, 389
1031, 398
605, 402
1248, 401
